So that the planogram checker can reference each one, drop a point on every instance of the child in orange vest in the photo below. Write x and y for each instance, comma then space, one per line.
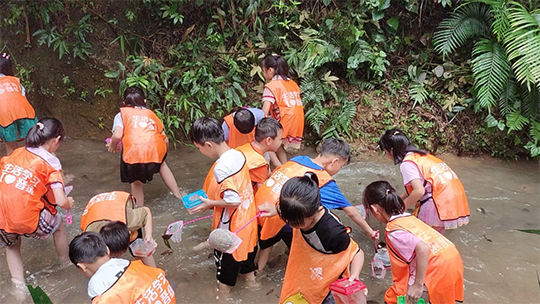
17, 116
335, 153
431, 184
267, 139
230, 195
115, 280
239, 127
321, 249
281, 99
115, 217
144, 145
31, 187
424, 263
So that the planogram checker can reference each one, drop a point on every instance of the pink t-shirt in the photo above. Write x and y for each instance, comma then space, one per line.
404, 243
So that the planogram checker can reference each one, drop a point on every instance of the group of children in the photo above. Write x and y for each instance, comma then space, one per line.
293, 203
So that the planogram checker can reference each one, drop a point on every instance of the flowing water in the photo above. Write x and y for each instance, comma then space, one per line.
501, 263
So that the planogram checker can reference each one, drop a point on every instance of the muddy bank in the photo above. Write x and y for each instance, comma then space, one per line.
500, 262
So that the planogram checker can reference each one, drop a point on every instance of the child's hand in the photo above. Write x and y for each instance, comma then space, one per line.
71, 202
414, 293
268, 209
205, 205
110, 148
373, 235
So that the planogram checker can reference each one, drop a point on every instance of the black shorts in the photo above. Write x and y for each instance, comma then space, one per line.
130, 173
228, 268
284, 234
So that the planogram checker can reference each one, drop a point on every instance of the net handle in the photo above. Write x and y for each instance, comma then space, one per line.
251, 220
198, 219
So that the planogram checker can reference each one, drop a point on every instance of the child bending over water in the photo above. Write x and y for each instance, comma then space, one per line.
424, 263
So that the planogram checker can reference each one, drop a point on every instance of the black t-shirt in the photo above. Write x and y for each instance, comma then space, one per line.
328, 235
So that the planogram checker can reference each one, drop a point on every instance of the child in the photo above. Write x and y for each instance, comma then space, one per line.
105, 209
335, 153
422, 260
16, 114
430, 183
144, 145
238, 127
321, 249
281, 99
117, 280
31, 186
267, 139
231, 196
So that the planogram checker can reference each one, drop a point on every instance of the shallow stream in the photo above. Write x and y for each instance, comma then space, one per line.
501, 263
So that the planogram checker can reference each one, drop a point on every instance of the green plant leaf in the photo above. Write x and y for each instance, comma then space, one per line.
515, 121
393, 23
38, 295
112, 74
533, 231
468, 21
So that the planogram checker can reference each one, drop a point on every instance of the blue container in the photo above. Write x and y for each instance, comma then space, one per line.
193, 199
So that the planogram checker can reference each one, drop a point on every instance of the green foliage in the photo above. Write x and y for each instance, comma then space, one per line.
38, 295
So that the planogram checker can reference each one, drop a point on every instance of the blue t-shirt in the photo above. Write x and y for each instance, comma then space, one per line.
331, 196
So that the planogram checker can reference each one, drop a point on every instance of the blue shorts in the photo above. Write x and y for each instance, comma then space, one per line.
17, 130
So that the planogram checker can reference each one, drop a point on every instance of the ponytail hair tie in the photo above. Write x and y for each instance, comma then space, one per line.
5, 55
387, 191
40, 126
395, 133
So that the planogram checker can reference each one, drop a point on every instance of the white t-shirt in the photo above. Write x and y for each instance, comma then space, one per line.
228, 164
50, 159
118, 119
106, 276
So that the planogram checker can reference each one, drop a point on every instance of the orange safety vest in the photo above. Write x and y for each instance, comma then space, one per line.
448, 192
257, 164
22, 190
291, 111
110, 206
139, 284
143, 141
444, 275
271, 190
13, 105
310, 272
236, 138
241, 184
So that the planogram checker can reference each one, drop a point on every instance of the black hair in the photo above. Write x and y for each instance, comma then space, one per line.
396, 141
206, 129
116, 236
244, 121
336, 147
277, 62
383, 194
134, 97
5, 65
300, 199
86, 248
267, 127
45, 129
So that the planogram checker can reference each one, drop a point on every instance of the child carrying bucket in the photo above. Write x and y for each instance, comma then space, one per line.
321, 250
424, 263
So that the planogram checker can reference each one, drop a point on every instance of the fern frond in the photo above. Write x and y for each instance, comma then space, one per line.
523, 45
316, 117
530, 103
515, 121
468, 21
508, 97
418, 93
491, 71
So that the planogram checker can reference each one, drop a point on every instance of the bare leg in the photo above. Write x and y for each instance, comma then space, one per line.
10, 147
61, 243
169, 180
223, 288
264, 255
250, 280
282, 156
148, 261
137, 192
14, 261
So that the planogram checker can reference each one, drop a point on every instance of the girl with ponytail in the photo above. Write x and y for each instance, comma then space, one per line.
423, 262
321, 250
31, 187
281, 100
